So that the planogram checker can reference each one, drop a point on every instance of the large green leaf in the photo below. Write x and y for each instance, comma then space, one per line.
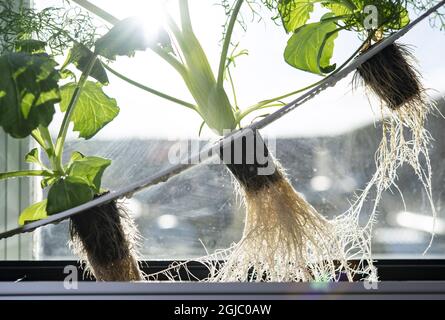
34, 213
311, 46
123, 39
28, 92
93, 111
295, 13
80, 56
91, 169
68, 193
339, 9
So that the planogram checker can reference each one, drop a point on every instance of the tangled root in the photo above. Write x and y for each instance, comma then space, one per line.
392, 77
105, 238
285, 239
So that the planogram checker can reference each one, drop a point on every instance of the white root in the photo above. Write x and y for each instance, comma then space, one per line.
285, 240
405, 141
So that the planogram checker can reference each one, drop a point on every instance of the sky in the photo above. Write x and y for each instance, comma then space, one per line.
260, 75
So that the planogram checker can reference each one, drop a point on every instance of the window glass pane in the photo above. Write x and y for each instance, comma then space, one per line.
327, 146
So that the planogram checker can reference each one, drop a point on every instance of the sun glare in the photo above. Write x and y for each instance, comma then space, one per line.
153, 15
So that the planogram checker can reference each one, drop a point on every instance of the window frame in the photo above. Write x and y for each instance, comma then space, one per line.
15, 194
53, 270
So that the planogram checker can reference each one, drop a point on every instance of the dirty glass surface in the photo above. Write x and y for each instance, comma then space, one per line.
327, 148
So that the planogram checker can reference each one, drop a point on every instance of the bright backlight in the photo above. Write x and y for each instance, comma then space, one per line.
420, 222
152, 13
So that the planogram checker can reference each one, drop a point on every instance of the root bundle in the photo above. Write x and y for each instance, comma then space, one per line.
285, 239
105, 239
392, 77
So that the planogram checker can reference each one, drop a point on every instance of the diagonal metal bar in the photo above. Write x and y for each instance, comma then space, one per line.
165, 175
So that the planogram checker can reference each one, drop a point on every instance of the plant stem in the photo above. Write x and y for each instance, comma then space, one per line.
249, 110
226, 44
232, 85
44, 132
178, 66
69, 112
150, 90
38, 138
186, 22
50, 150
25, 173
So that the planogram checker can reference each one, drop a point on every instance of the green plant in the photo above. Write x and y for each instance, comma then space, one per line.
29, 91
285, 238
390, 76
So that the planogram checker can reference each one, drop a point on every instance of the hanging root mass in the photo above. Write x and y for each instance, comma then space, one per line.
106, 239
391, 76
285, 239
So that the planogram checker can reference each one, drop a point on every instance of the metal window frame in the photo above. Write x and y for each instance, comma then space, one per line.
401, 279
15, 194
422, 270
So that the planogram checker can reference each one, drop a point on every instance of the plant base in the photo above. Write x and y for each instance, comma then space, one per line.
105, 238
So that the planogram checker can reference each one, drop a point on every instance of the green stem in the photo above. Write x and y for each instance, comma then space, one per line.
39, 139
25, 173
69, 112
178, 66
44, 132
232, 85
186, 22
50, 149
226, 44
248, 111
150, 90
42, 136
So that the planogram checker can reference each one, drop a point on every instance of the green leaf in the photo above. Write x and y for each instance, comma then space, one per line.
123, 39
91, 169
338, 9
33, 157
295, 13
94, 109
66, 73
48, 181
29, 90
76, 155
30, 46
34, 213
311, 46
80, 55
68, 193
398, 20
